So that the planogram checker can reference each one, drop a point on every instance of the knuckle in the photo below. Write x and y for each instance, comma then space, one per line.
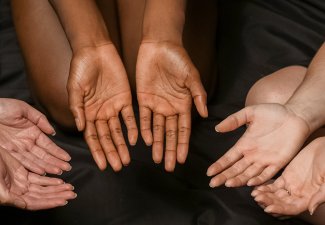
157, 127
145, 118
129, 118
93, 137
184, 130
117, 130
171, 134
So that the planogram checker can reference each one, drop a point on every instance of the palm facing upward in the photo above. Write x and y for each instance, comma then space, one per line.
21, 134
98, 91
300, 186
167, 81
273, 137
27, 190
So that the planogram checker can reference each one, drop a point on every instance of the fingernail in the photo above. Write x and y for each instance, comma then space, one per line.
216, 129
211, 184
69, 168
75, 195
267, 210
254, 193
66, 202
312, 211
228, 184
78, 124
54, 133
72, 188
60, 172
250, 183
206, 110
209, 173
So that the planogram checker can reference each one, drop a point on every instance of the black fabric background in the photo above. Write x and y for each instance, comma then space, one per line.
255, 38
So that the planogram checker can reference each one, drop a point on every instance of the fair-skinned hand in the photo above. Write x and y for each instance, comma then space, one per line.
300, 186
98, 92
273, 137
23, 132
167, 82
26, 190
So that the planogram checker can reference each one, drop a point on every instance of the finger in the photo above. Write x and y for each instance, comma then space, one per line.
158, 137
76, 103
171, 143
14, 200
63, 194
235, 120
264, 199
107, 144
198, 93
184, 132
41, 204
317, 199
243, 178
267, 174
42, 180
28, 163
231, 156
131, 125
229, 173
272, 187
50, 189
46, 143
38, 119
56, 165
96, 150
145, 125
118, 139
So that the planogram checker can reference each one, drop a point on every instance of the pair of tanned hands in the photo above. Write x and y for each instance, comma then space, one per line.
166, 84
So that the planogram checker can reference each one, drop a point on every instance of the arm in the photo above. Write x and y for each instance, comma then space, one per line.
309, 100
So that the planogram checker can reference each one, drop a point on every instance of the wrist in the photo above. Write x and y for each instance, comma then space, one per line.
303, 111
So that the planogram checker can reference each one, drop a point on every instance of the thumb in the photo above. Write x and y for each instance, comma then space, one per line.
76, 102
317, 199
198, 94
234, 121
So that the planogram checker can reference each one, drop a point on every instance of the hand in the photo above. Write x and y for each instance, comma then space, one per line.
98, 91
273, 137
302, 179
21, 134
166, 81
27, 190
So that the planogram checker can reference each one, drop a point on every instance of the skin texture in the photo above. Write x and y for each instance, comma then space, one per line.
167, 81
26, 190
265, 147
74, 34
23, 133
301, 185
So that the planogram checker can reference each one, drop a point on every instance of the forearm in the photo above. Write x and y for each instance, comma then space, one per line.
82, 22
164, 20
308, 101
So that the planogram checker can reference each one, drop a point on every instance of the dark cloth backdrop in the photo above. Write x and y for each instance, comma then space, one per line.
255, 38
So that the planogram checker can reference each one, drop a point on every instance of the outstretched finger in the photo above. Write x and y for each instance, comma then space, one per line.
229, 173
183, 139
145, 124
267, 174
171, 143
158, 137
118, 139
38, 119
198, 93
47, 144
235, 120
28, 162
107, 144
231, 156
76, 103
43, 180
242, 179
96, 150
131, 125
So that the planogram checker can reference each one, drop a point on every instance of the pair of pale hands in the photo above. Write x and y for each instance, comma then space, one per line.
26, 154
166, 84
274, 136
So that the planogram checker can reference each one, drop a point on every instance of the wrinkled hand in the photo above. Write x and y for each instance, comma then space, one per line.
273, 137
98, 91
167, 81
27, 190
300, 186
22, 133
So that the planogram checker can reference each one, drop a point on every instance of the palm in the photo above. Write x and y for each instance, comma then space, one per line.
273, 137
24, 189
166, 83
291, 193
21, 135
98, 92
